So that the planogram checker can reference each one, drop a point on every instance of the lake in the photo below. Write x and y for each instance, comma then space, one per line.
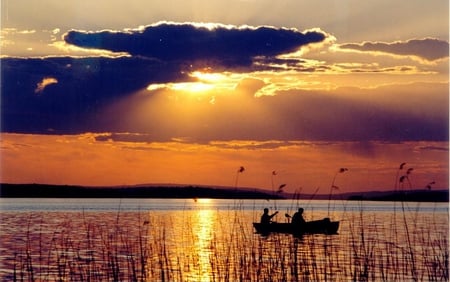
213, 240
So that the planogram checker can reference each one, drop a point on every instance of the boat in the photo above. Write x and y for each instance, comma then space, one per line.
323, 226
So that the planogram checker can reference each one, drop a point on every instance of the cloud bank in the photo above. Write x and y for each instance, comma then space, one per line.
429, 48
68, 95
228, 45
109, 95
33, 103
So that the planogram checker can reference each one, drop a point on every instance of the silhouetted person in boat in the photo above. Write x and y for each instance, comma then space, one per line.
297, 218
266, 217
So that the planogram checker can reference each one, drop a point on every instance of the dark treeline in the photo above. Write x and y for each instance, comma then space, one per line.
405, 196
192, 191
66, 191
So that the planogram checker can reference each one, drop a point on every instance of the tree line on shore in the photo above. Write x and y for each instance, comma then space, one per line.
197, 191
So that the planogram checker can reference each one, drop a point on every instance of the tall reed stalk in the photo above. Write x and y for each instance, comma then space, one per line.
137, 246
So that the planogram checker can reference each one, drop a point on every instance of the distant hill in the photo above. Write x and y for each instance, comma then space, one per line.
406, 196
199, 191
140, 191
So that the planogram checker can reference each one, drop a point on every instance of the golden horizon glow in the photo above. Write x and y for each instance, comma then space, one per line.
69, 161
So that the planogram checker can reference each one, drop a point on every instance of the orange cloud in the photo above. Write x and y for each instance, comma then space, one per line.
430, 49
106, 159
44, 83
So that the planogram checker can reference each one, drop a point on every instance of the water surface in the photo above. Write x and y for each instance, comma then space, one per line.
213, 240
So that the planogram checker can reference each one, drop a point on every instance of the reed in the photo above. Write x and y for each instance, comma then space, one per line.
142, 246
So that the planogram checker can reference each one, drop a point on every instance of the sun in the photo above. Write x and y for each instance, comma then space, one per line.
192, 87
208, 76
202, 83
196, 87
204, 200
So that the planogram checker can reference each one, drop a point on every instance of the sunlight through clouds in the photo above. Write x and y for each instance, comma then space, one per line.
65, 48
204, 82
189, 91
192, 87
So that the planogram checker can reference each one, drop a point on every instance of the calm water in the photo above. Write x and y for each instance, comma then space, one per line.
213, 240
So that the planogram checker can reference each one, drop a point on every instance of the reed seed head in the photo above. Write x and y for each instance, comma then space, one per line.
343, 169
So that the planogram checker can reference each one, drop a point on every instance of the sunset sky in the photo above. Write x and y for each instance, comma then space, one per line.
186, 92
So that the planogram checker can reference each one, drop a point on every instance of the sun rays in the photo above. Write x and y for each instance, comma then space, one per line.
203, 82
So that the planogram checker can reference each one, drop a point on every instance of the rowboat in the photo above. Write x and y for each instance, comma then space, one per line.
323, 226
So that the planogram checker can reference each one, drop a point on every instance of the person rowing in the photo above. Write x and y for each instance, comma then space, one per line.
297, 218
266, 217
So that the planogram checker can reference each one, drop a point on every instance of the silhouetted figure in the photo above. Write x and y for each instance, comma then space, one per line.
266, 217
297, 218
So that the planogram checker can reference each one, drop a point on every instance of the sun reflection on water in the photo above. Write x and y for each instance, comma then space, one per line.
204, 227
203, 221
201, 242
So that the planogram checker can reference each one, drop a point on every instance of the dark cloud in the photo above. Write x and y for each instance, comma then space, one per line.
131, 137
386, 114
150, 138
98, 94
429, 48
230, 46
64, 94
77, 88
77, 95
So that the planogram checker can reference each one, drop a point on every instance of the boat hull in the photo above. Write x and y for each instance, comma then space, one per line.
324, 226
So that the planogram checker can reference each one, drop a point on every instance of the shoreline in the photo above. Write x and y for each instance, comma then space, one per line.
198, 191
